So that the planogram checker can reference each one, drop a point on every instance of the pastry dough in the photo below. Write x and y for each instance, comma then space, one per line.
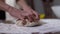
27, 23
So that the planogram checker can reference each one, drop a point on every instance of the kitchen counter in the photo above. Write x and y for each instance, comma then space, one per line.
52, 25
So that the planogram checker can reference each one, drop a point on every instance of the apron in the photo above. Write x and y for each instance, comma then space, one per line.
13, 4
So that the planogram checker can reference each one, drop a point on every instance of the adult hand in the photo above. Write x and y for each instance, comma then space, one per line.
31, 14
27, 13
16, 13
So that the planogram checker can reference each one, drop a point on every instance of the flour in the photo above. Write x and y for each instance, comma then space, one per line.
27, 23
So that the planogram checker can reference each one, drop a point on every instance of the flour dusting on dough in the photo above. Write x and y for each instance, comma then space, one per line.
19, 23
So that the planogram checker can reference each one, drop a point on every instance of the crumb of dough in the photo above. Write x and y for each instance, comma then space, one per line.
27, 23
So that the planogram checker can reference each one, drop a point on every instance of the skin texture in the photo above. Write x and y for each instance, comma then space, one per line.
26, 13
30, 13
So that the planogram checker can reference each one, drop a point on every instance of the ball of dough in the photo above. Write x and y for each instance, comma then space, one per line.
27, 23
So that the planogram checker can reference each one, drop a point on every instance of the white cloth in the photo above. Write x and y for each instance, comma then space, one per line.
11, 2
52, 25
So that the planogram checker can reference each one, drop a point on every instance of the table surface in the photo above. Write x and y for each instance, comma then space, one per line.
52, 25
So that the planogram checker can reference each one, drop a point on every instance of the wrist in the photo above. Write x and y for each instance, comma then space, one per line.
26, 7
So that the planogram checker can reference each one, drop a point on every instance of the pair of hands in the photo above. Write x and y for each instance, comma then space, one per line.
26, 13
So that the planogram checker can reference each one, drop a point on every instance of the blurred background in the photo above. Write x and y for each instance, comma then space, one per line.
47, 8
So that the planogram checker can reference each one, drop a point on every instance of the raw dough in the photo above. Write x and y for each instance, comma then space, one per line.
27, 23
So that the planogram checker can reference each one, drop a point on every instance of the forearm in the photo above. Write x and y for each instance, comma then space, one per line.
23, 3
4, 6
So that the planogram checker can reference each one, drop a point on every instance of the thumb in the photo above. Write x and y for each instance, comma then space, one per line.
21, 17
